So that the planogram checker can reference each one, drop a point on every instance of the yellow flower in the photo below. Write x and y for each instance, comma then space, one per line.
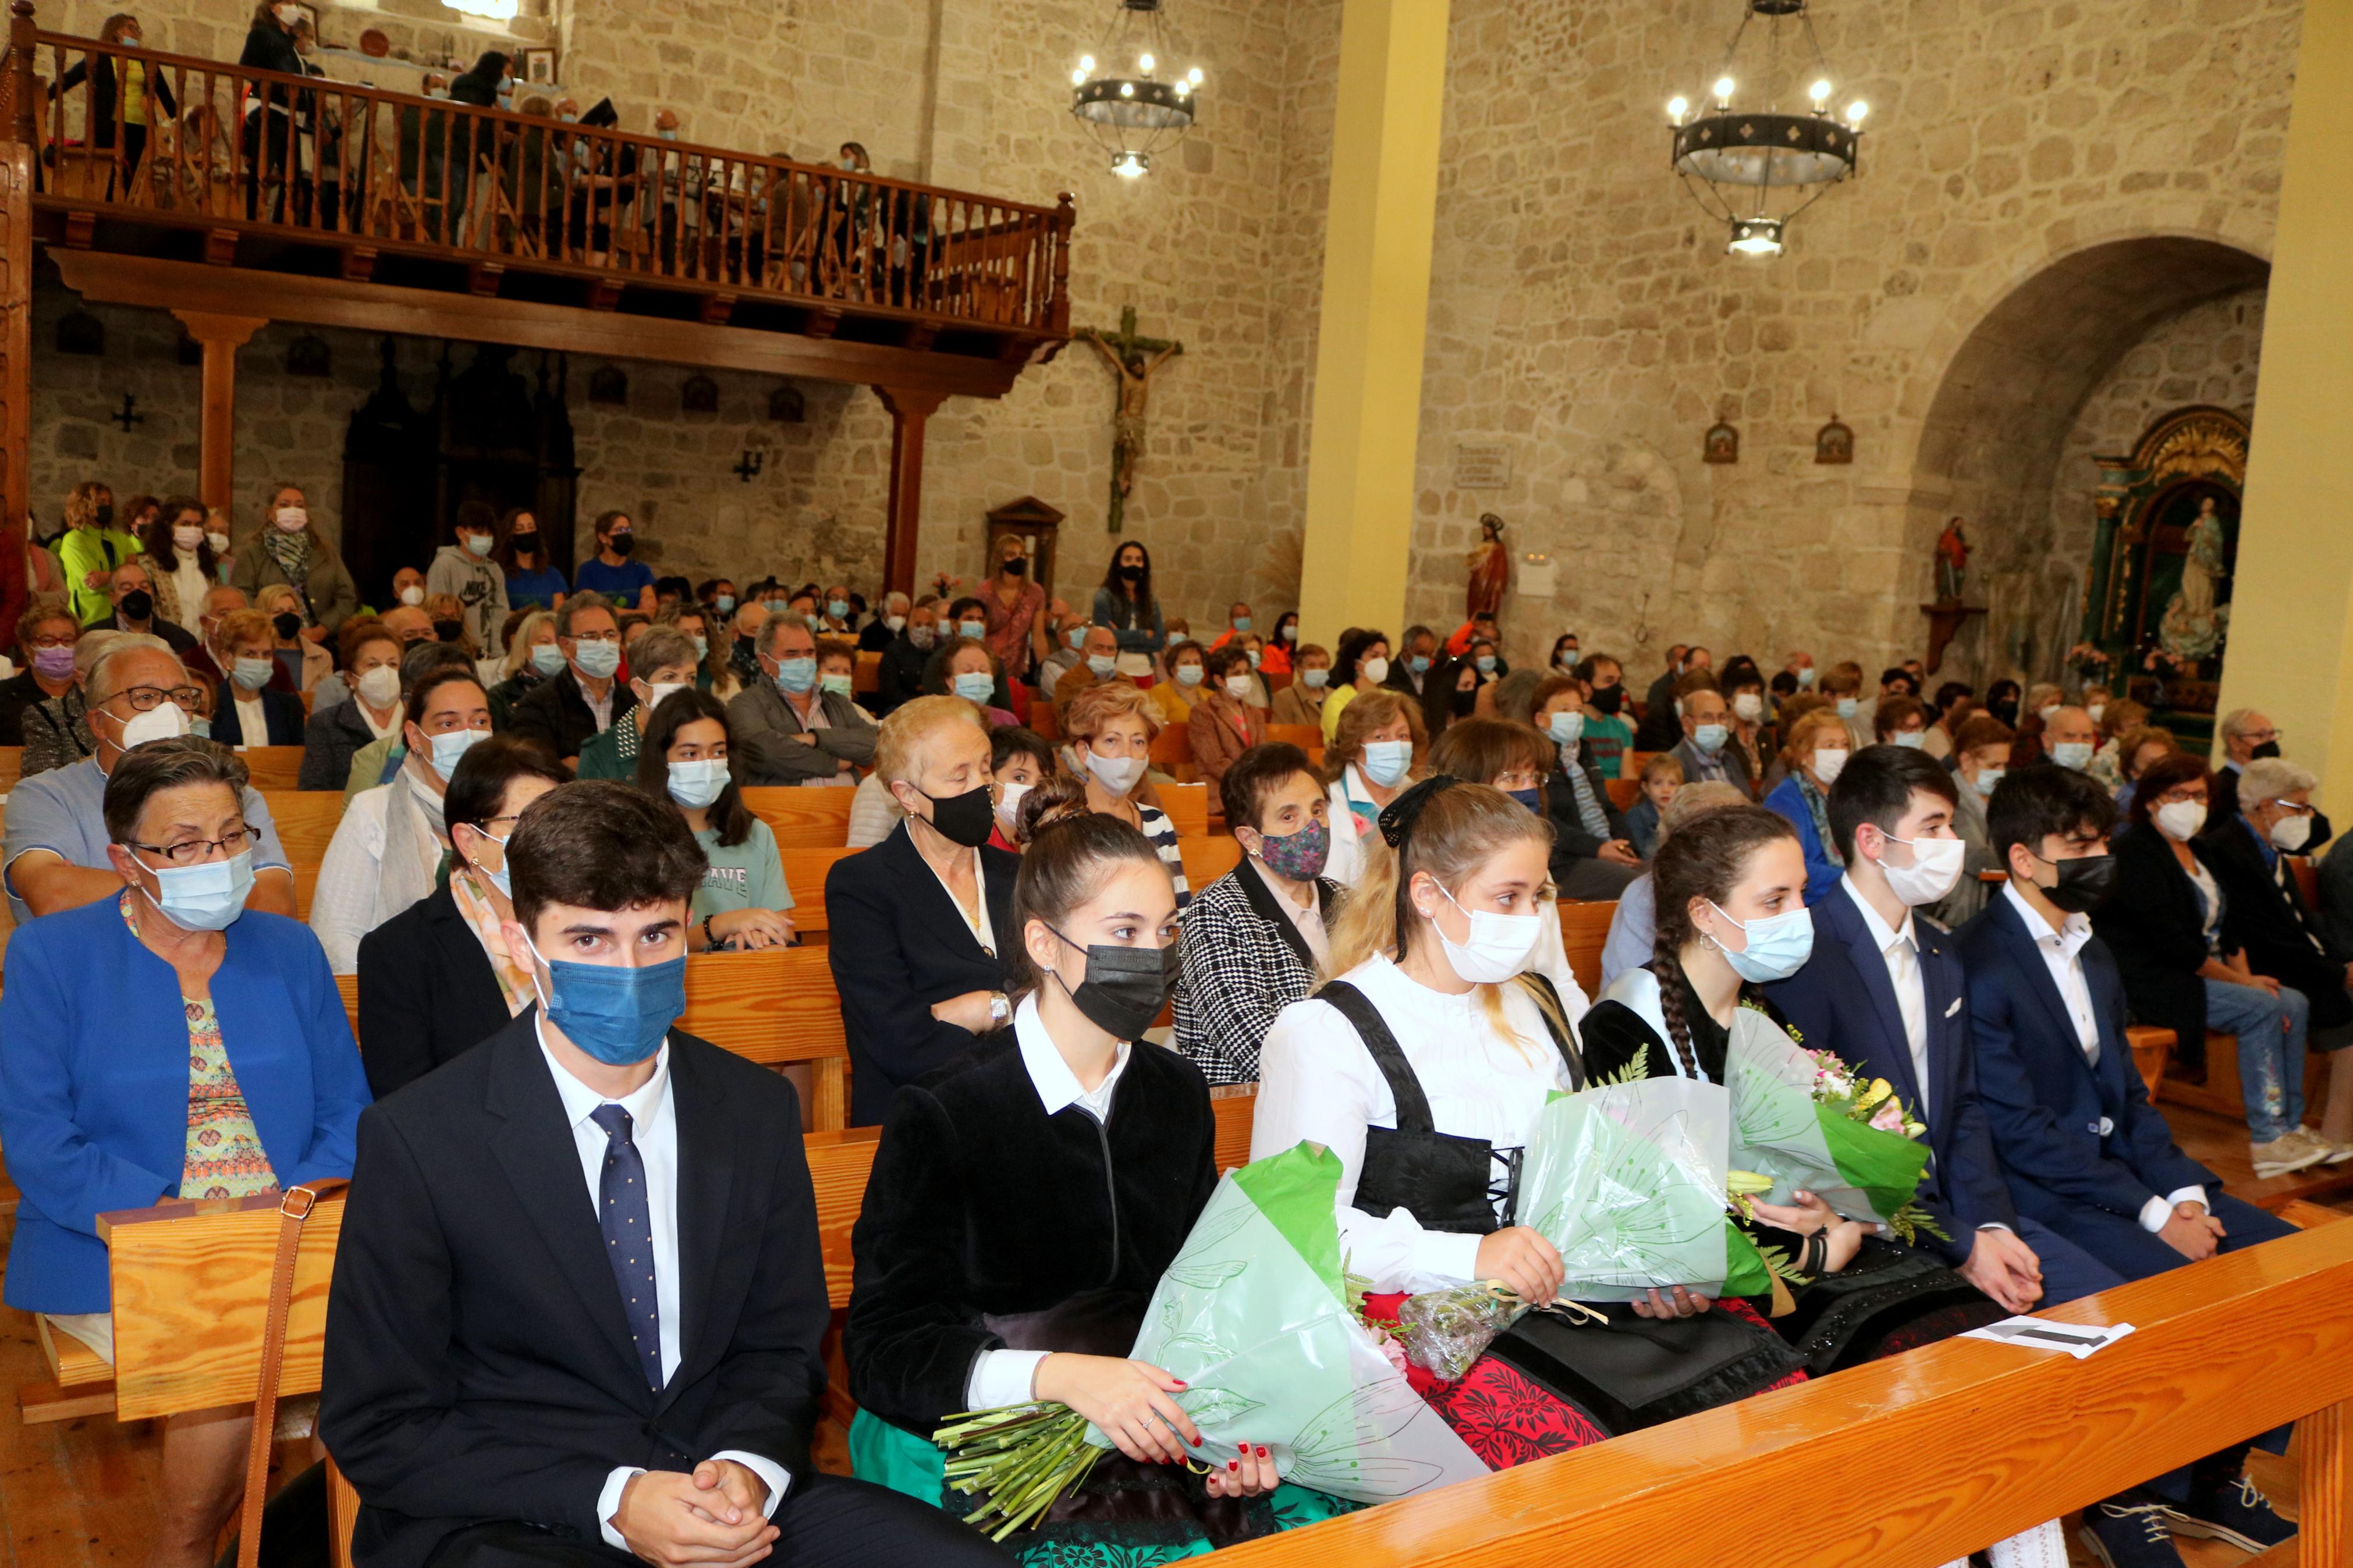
1880, 1089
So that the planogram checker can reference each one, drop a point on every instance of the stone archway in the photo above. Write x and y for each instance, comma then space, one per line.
1991, 440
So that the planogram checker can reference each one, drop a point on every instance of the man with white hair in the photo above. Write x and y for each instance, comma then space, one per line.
878, 633
2265, 915
2250, 737
54, 857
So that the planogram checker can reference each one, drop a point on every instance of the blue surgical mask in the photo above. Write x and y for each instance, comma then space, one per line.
1241, 623
547, 659
2074, 754
702, 647
973, 629
203, 727
1314, 679
1985, 780
1486, 663
1912, 740
839, 684
1385, 761
695, 784
1846, 706
796, 674
837, 608
208, 897
1805, 677
452, 745
1188, 675
619, 1016
816, 622
479, 544
1076, 637
598, 661
976, 686
1103, 664
252, 674
1419, 664
1531, 798
500, 879
1710, 738
1778, 946
1566, 729
725, 603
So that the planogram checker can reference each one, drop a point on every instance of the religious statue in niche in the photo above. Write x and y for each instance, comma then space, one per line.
1834, 443
1491, 569
608, 385
1135, 360
2195, 621
1952, 563
1723, 444
699, 396
786, 406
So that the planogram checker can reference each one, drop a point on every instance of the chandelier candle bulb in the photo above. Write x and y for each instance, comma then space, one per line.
1724, 93
1144, 63
1676, 109
1856, 111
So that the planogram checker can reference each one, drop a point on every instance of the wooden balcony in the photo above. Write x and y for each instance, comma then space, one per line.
233, 196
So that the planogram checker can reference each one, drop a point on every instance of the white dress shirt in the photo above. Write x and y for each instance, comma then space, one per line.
653, 1128
252, 721
1317, 1081
1901, 953
1002, 1377
2063, 953
984, 929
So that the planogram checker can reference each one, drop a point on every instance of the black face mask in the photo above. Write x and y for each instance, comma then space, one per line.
621, 545
1131, 574
2268, 749
287, 623
2084, 883
448, 631
1016, 567
137, 605
105, 514
1465, 701
1606, 698
2005, 712
524, 544
1125, 986
965, 819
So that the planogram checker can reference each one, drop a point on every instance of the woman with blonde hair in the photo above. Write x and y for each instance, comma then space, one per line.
1815, 753
288, 548
531, 656
1373, 756
1111, 729
91, 548
306, 662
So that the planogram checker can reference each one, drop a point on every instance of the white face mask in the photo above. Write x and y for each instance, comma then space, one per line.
2094, 711
1936, 867
2047, 712
379, 686
1116, 774
657, 690
411, 595
1749, 707
1373, 671
897, 624
188, 536
1829, 763
1008, 803
292, 519
1499, 944
219, 542
1238, 687
164, 721
2291, 833
2181, 820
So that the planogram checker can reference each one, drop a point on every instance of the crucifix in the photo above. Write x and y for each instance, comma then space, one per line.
125, 417
1133, 360
752, 463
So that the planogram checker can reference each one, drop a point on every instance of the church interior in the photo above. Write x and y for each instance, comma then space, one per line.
1995, 345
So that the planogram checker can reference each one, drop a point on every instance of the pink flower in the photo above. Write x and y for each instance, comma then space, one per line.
1392, 1348
1889, 1117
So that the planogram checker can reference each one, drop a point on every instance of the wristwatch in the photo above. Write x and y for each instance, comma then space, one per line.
1000, 1008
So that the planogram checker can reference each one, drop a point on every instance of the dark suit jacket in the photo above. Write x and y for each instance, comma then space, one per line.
2069, 1134
2263, 915
2153, 925
479, 1364
426, 993
282, 713
329, 740
556, 714
1842, 1001
2224, 802
900, 944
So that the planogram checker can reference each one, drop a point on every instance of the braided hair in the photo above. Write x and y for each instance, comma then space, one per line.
1704, 859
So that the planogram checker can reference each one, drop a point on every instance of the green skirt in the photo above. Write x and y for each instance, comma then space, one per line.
889, 1456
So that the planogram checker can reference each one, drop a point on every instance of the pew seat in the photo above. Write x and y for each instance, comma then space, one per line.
2219, 1096
2150, 1047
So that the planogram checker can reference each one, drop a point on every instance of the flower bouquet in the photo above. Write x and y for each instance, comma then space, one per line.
1256, 1316
1803, 1118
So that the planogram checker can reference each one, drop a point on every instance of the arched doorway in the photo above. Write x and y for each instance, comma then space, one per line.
1994, 437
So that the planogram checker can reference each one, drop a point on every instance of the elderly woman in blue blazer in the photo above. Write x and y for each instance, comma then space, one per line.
166, 1044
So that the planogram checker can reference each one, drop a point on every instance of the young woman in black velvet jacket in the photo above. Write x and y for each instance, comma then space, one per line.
1025, 1200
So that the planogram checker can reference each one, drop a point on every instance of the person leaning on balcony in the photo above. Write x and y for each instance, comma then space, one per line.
137, 86
269, 46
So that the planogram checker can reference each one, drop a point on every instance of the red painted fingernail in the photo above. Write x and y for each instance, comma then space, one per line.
1262, 1452
1196, 1442
1180, 1383
1233, 1464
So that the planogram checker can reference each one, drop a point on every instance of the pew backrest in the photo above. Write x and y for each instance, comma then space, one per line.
1188, 806
1206, 859
805, 873
813, 819
273, 767
1584, 929
306, 821
1623, 793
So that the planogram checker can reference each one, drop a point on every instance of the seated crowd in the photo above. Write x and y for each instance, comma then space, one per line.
546, 814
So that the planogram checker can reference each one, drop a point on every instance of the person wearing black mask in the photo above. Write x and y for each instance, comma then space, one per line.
132, 593
2001, 702
613, 571
921, 921
2087, 1157
1070, 1097
2247, 735
1607, 736
1125, 603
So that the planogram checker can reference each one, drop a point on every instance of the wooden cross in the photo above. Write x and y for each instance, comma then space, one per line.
125, 417
1135, 360
752, 462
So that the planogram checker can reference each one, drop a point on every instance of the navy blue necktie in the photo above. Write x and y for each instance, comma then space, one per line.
627, 1220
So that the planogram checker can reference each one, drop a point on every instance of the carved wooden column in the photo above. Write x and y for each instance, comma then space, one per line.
221, 336
910, 409
16, 271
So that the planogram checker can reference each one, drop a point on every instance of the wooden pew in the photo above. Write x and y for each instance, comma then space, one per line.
273, 767
2150, 1047
869, 675
805, 873
1584, 931
306, 821
1308, 738
803, 818
1623, 793
1172, 754
2219, 1096
1206, 859
1233, 1104
12, 767
1188, 806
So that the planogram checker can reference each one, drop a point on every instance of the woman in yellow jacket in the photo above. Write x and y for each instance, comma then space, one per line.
91, 548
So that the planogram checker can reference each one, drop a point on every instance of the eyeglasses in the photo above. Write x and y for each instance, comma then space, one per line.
2291, 808
190, 851
2259, 737
146, 699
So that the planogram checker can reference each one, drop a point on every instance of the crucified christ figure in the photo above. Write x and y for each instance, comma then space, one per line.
1135, 360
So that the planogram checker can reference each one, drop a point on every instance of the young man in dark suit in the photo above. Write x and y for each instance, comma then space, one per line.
1885, 990
577, 1300
2086, 1154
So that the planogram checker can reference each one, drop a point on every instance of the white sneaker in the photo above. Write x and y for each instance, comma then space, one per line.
2337, 1153
2286, 1154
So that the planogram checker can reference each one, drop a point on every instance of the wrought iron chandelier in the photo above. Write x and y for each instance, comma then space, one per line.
1132, 108
1755, 169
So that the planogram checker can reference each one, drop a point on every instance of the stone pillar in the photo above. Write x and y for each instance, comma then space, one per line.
2290, 647
910, 410
1367, 413
221, 336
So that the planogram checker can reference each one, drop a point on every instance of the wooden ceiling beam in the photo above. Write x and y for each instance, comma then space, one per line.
372, 307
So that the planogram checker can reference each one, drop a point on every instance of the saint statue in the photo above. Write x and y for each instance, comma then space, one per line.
1952, 563
1491, 569
2194, 625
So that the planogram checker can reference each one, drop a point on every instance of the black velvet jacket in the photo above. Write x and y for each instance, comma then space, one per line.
983, 1207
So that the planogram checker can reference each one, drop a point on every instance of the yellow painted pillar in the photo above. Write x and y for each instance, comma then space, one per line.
1376, 243
2291, 649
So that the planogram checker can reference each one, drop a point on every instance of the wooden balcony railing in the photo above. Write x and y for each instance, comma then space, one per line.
156, 139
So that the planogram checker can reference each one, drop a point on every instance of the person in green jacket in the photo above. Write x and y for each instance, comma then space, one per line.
91, 548
662, 660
